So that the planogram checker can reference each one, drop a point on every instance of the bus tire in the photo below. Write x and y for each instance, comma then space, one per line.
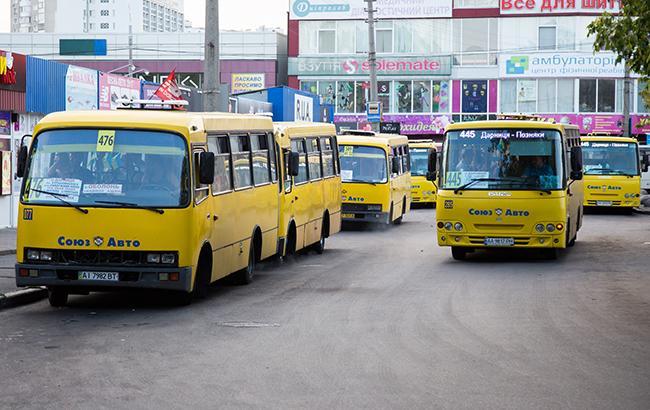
571, 242
290, 247
245, 276
182, 298
57, 297
319, 246
203, 276
458, 253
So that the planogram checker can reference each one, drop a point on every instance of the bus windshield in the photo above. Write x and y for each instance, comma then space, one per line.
610, 158
363, 164
419, 161
513, 159
90, 167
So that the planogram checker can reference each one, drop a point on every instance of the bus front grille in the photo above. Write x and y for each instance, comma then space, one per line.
86, 257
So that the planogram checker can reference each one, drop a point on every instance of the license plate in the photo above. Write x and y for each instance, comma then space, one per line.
99, 276
499, 241
603, 203
351, 216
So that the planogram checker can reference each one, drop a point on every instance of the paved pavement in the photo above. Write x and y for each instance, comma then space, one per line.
383, 319
7, 260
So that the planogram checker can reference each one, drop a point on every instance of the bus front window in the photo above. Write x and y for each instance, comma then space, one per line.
503, 159
88, 168
363, 164
419, 161
610, 158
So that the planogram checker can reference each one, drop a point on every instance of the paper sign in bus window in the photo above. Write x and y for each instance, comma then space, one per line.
110, 189
105, 141
348, 150
68, 189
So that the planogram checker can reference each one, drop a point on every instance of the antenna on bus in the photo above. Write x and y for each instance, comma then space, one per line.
134, 104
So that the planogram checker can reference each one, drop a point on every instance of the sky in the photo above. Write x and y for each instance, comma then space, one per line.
233, 14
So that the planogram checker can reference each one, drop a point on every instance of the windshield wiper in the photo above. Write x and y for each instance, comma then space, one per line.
132, 205
60, 198
475, 180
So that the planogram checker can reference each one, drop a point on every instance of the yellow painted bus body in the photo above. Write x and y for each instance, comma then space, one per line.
310, 204
385, 201
469, 219
423, 191
212, 232
613, 190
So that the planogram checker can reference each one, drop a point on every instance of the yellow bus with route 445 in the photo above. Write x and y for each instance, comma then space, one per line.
423, 191
612, 171
509, 183
376, 177
149, 199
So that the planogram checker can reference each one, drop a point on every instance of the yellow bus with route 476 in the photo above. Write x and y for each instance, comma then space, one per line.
152, 199
612, 171
423, 191
509, 183
376, 177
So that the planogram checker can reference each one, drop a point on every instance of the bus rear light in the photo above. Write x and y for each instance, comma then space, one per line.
559, 227
174, 276
441, 225
550, 227
163, 277
23, 272
448, 226
33, 273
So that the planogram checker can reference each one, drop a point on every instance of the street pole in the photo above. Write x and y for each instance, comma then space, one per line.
372, 58
87, 16
130, 48
626, 101
211, 60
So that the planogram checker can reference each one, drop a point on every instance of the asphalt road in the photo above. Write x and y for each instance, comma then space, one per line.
383, 319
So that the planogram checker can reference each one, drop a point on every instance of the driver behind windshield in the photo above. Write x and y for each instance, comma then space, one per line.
159, 174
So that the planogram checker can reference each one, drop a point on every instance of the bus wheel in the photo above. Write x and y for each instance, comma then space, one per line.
319, 246
202, 281
458, 253
57, 297
245, 276
552, 254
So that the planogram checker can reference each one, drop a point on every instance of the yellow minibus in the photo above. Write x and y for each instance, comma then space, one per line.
509, 184
311, 200
423, 191
612, 169
148, 199
376, 177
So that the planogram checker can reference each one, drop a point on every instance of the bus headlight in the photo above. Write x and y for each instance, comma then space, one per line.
550, 227
539, 228
33, 254
153, 258
46, 255
448, 226
441, 225
168, 258
458, 226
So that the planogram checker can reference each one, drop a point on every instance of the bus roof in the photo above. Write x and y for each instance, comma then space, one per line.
610, 138
498, 124
378, 140
165, 120
296, 129
422, 144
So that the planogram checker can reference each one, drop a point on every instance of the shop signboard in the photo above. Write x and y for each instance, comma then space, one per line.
408, 124
244, 82
5, 123
518, 7
80, 89
571, 64
114, 87
390, 128
640, 124
6, 173
611, 123
354, 66
356, 9
12, 71
303, 108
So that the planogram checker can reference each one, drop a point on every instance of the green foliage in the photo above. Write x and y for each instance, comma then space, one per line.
627, 35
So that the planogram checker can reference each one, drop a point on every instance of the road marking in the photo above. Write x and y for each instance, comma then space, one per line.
247, 324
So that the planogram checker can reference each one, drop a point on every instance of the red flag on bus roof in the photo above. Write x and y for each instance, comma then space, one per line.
169, 89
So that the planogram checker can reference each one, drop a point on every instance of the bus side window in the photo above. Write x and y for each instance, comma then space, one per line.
298, 145
335, 151
200, 190
288, 182
272, 158
241, 157
313, 156
328, 157
260, 151
402, 152
222, 167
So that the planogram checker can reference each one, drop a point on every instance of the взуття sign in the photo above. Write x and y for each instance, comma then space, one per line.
304, 66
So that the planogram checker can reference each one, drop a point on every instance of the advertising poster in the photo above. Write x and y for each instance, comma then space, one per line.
527, 90
562, 64
6, 173
114, 87
407, 124
5, 123
243, 82
474, 96
355, 9
12, 71
80, 89
519, 7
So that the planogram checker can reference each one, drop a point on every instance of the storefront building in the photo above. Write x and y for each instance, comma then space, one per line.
462, 60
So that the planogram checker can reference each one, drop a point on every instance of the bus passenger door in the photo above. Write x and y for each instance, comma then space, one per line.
299, 198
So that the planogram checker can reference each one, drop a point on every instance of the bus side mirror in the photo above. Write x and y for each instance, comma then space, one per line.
22, 155
294, 163
206, 168
432, 166
576, 159
395, 166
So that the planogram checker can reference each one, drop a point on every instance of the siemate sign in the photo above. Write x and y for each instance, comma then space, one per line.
305, 66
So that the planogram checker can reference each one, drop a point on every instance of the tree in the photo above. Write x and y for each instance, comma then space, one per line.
627, 35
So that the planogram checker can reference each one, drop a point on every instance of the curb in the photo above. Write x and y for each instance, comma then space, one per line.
4, 252
22, 297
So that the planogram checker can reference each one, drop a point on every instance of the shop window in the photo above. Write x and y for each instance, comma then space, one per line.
475, 41
345, 97
565, 95
383, 92
547, 38
606, 95
508, 96
597, 95
527, 96
326, 90
327, 39
546, 92
641, 104
403, 96
361, 96
309, 86
440, 96
421, 96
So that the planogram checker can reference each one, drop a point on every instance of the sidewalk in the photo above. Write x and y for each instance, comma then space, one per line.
10, 295
7, 241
